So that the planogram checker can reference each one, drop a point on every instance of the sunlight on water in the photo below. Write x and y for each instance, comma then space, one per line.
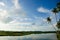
50, 36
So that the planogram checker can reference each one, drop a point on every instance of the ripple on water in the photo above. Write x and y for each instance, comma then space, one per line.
49, 36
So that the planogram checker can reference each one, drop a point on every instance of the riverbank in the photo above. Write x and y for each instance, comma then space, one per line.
22, 33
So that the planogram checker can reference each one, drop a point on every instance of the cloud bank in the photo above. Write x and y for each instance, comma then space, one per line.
16, 19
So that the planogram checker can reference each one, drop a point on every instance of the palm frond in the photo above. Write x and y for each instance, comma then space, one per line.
58, 5
55, 10
48, 19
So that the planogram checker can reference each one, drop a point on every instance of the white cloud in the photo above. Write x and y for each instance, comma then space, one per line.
23, 26
3, 14
43, 10
16, 4
17, 26
40, 18
17, 9
43, 19
2, 4
25, 23
17, 15
19, 23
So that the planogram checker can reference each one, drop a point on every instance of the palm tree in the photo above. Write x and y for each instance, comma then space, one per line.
49, 21
55, 11
58, 31
58, 6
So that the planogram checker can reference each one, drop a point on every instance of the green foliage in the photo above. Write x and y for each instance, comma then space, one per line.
22, 33
55, 10
58, 6
48, 19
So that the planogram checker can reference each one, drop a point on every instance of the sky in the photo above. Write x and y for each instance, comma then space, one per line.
27, 15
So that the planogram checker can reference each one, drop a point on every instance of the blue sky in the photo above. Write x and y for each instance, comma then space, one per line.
27, 15
31, 6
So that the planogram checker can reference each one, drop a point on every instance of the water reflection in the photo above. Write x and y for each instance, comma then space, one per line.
49, 36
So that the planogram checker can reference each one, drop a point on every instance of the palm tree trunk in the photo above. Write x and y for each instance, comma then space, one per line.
57, 32
53, 26
56, 17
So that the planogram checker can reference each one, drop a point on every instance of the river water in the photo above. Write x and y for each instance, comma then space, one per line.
48, 36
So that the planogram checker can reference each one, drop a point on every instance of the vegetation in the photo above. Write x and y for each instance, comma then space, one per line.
58, 22
22, 33
56, 10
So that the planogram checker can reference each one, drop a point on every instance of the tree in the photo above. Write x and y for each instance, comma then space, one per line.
55, 11
58, 6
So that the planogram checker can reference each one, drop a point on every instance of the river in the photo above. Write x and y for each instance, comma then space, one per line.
48, 36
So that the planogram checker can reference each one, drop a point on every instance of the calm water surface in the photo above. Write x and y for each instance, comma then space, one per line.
49, 36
